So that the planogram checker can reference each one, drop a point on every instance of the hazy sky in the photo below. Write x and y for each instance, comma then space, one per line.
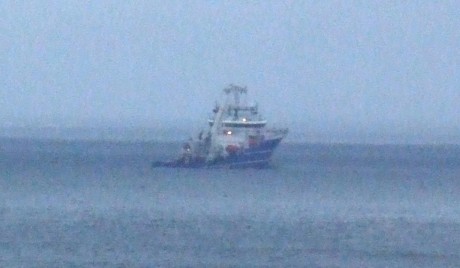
391, 66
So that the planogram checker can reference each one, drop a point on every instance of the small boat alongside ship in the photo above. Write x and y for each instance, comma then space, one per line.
237, 137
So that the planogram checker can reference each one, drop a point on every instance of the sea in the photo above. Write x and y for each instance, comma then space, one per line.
95, 203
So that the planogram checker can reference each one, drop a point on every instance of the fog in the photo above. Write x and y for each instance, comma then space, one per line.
331, 71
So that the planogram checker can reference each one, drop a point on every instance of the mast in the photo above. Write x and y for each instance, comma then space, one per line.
236, 91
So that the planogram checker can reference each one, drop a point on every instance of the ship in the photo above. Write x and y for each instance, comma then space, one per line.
237, 137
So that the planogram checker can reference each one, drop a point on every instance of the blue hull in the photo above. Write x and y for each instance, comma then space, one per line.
256, 157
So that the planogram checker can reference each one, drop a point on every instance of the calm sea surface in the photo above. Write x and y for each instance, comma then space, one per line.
99, 204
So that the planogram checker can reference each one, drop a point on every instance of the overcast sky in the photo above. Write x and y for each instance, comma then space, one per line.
372, 66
